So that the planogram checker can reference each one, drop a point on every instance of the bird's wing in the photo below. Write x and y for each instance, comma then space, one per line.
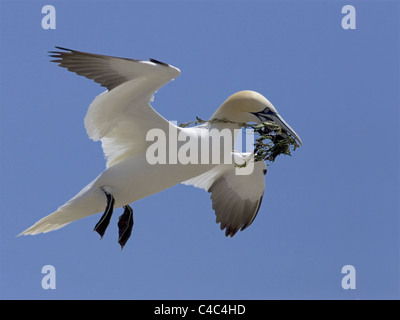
121, 116
236, 198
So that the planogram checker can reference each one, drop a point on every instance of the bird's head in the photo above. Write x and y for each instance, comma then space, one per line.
250, 106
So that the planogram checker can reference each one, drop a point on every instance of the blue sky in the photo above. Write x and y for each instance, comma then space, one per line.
335, 202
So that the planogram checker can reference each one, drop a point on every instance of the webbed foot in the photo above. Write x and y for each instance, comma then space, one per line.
125, 225
104, 221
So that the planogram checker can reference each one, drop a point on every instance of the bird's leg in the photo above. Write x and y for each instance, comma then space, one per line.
125, 225
102, 225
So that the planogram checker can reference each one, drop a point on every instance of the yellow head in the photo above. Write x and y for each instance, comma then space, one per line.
250, 106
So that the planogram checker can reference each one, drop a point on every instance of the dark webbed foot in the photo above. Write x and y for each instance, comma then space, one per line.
125, 225
104, 221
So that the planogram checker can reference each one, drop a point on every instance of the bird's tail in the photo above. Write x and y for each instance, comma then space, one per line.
88, 201
53, 221
75, 209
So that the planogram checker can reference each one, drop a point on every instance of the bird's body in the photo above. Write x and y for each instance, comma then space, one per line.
127, 184
122, 119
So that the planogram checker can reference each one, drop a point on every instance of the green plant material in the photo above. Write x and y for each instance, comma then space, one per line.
270, 141
201, 121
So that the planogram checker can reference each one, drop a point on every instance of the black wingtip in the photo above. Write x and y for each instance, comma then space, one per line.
159, 62
230, 231
57, 54
62, 48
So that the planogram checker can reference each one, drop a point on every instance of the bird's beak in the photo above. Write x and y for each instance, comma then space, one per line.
285, 127
275, 117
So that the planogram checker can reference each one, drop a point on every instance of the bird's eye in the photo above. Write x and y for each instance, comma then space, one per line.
266, 110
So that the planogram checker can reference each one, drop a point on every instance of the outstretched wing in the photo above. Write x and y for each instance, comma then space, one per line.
236, 199
121, 116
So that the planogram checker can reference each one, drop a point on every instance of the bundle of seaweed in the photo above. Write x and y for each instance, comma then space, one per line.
270, 142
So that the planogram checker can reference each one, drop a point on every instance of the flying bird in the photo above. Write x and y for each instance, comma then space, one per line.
121, 118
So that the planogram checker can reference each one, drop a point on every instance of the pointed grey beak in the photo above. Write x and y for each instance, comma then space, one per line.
285, 127
275, 117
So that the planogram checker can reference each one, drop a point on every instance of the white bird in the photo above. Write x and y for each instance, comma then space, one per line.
122, 116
